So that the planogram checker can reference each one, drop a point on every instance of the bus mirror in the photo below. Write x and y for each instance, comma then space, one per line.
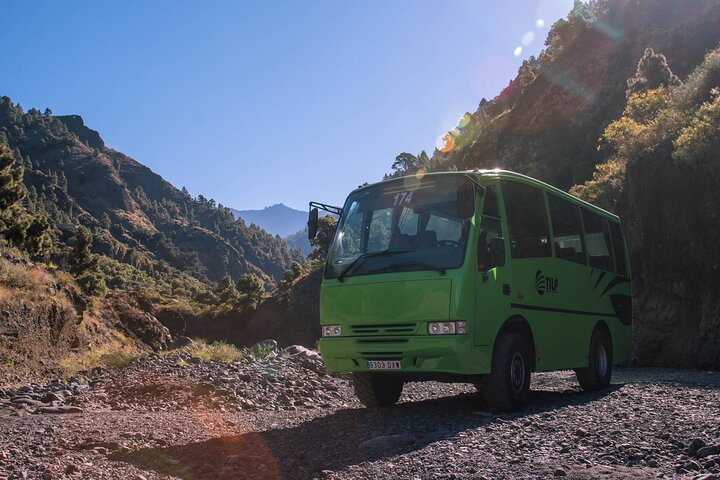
465, 200
312, 224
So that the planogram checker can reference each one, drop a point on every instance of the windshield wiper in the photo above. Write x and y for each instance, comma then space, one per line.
361, 258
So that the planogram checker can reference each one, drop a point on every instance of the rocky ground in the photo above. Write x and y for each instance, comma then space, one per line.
282, 417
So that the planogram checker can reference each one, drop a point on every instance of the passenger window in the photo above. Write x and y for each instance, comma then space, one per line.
527, 221
597, 239
490, 207
491, 246
618, 249
567, 230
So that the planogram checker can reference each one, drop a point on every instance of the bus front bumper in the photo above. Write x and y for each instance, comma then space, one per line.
454, 354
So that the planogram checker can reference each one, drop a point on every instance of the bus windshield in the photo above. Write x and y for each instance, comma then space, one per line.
401, 225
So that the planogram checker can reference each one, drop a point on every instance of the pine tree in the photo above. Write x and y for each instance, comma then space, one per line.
11, 188
84, 264
105, 221
252, 289
652, 72
226, 292
17, 226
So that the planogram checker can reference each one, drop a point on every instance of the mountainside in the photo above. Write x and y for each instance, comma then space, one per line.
623, 106
276, 219
137, 218
547, 121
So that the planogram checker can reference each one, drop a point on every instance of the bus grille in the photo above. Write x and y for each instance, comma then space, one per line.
382, 355
384, 329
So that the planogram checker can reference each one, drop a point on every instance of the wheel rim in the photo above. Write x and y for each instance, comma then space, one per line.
517, 372
601, 361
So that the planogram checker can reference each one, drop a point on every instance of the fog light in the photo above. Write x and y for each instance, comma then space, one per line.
331, 331
447, 328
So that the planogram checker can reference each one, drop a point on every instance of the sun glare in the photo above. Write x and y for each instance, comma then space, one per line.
539, 23
518, 51
528, 38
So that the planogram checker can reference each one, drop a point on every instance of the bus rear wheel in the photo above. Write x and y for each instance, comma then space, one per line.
599, 370
507, 387
377, 389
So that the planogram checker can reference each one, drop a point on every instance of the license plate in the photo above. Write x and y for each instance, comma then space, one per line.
383, 364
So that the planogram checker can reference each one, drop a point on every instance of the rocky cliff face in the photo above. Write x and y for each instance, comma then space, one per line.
672, 220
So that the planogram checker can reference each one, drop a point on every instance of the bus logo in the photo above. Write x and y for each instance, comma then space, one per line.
545, 283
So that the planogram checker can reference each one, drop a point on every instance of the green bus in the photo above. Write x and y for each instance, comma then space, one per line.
480, 277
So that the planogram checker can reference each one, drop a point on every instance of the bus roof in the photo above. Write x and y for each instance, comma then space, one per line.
506, 174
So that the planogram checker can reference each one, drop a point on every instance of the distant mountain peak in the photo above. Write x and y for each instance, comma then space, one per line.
278, 219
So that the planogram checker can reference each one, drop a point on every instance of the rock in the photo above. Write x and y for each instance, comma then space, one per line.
25, 401
695, 445
692, 465
62, 409
71, 468
180, 342
559, 472
707, 451
51, 397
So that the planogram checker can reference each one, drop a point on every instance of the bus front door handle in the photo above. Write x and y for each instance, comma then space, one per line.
506, 289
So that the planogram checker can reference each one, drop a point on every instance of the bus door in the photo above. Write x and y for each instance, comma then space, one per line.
493, 283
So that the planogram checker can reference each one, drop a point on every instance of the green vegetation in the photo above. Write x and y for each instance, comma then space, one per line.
19, 226
674, 120
68, 200
547, 121
216, 351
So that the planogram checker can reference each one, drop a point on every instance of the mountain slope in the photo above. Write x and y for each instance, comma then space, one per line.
546, 123
137, 217
277, 219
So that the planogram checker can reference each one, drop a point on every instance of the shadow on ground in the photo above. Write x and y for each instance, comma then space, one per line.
340, 439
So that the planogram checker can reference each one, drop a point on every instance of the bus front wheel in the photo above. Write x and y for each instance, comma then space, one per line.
507, 386
599, 370
377, 389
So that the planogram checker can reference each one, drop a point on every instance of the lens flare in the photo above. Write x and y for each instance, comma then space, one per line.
420, 173
539, 23
518, 51
528, 38
445, 143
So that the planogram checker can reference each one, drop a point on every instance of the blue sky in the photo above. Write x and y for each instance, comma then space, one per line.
266, 102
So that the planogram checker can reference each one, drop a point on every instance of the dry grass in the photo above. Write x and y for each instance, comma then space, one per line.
217, 351
101, 357
18, 276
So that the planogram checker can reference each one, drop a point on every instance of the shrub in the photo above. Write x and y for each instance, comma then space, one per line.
217, 351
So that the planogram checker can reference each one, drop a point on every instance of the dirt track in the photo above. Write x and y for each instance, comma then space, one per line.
284, 418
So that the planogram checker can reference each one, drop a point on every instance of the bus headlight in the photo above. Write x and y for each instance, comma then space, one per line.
331, 331
447, 328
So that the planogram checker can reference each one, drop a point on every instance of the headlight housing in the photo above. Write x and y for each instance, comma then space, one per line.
331, 330
458, 327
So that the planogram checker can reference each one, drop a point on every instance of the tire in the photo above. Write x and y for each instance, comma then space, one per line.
507, 386
598, 373
377, 389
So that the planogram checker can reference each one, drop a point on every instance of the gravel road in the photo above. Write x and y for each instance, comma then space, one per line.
283, 417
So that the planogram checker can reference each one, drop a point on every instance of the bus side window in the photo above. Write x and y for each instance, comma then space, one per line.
490, 207
567, 230
597, 239
618, 249
491, 247
527, 220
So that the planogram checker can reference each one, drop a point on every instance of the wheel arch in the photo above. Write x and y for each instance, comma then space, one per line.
602, 326
519, 324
